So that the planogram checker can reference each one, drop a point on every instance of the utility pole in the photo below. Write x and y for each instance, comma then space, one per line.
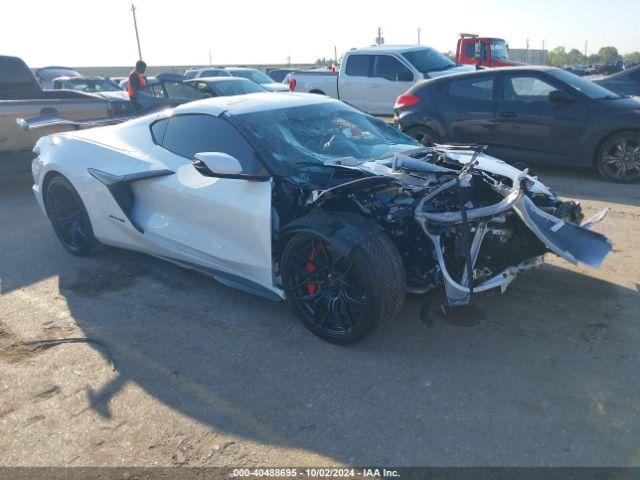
210, 62
335, 55
289, 60
418, 35
135, 24
586, 44
379, 38
544, 56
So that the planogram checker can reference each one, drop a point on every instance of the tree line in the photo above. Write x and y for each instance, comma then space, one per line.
606, 55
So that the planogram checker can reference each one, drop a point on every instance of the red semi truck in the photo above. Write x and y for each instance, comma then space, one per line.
485, 51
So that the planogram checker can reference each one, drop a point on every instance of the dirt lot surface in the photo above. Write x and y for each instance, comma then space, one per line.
122, 360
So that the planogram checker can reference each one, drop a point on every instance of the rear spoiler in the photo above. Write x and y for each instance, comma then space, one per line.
44, 121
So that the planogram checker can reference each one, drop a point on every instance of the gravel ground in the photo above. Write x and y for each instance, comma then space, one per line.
122, 360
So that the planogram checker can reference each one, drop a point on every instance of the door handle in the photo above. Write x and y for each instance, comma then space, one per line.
508, 114
375, 85
48, 111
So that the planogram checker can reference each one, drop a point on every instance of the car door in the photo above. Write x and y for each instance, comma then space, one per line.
530, 127
353, 81
201, 218
390, 79
468, 108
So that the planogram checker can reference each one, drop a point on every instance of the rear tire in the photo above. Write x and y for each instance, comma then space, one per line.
618, 158
342, 300
69, 217
424, 135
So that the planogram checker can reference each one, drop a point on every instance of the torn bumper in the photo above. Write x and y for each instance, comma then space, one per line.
574, 243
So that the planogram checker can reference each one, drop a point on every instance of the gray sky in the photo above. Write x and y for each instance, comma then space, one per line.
91, 32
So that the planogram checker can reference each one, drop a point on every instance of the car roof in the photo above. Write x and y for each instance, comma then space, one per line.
388, 48
489, 71
252, 102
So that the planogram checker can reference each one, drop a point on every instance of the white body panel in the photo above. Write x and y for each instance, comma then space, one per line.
221, 226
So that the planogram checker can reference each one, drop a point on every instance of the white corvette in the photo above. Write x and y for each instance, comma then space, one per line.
305, 198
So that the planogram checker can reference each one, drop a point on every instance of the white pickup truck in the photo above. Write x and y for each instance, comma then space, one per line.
372, 78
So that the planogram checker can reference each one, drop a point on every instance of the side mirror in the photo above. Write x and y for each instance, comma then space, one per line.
220, 163
404, 77
560, 96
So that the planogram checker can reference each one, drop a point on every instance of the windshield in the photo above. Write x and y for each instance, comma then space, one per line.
428, 60
499, 50
311, 135
88, 85
587, 87
255, 75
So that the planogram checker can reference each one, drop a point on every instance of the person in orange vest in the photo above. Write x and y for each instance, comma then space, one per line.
136, 82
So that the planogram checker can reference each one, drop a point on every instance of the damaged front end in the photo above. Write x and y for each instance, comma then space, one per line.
489, 221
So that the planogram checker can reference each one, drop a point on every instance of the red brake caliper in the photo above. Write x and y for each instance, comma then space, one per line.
312, 288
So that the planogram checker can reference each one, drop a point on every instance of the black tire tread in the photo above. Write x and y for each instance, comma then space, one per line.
389, 271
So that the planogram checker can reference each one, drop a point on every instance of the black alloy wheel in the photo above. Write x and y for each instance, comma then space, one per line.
618, 158
343, 299
69, 217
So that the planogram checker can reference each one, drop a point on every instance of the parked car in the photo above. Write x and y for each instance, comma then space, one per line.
626, 82
259, 77
305, 198
21, 96
533, 115
225, 86
98, 86
372, 78
206, 72
279, 74
46, 75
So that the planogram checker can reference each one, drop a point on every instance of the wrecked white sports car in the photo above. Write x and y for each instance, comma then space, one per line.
301, 197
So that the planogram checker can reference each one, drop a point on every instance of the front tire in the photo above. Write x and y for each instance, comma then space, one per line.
343, 299
69, 217
618, 158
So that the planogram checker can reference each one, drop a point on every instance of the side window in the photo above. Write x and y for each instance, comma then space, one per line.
358, 65
156, 90
187, 135
182, 90
158, 129
204, 88
473, 88
527, 89
470, 50
390, 68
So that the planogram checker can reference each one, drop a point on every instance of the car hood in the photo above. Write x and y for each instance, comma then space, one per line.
276, 87
450, 71
624, 103
402, 163
118, 95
